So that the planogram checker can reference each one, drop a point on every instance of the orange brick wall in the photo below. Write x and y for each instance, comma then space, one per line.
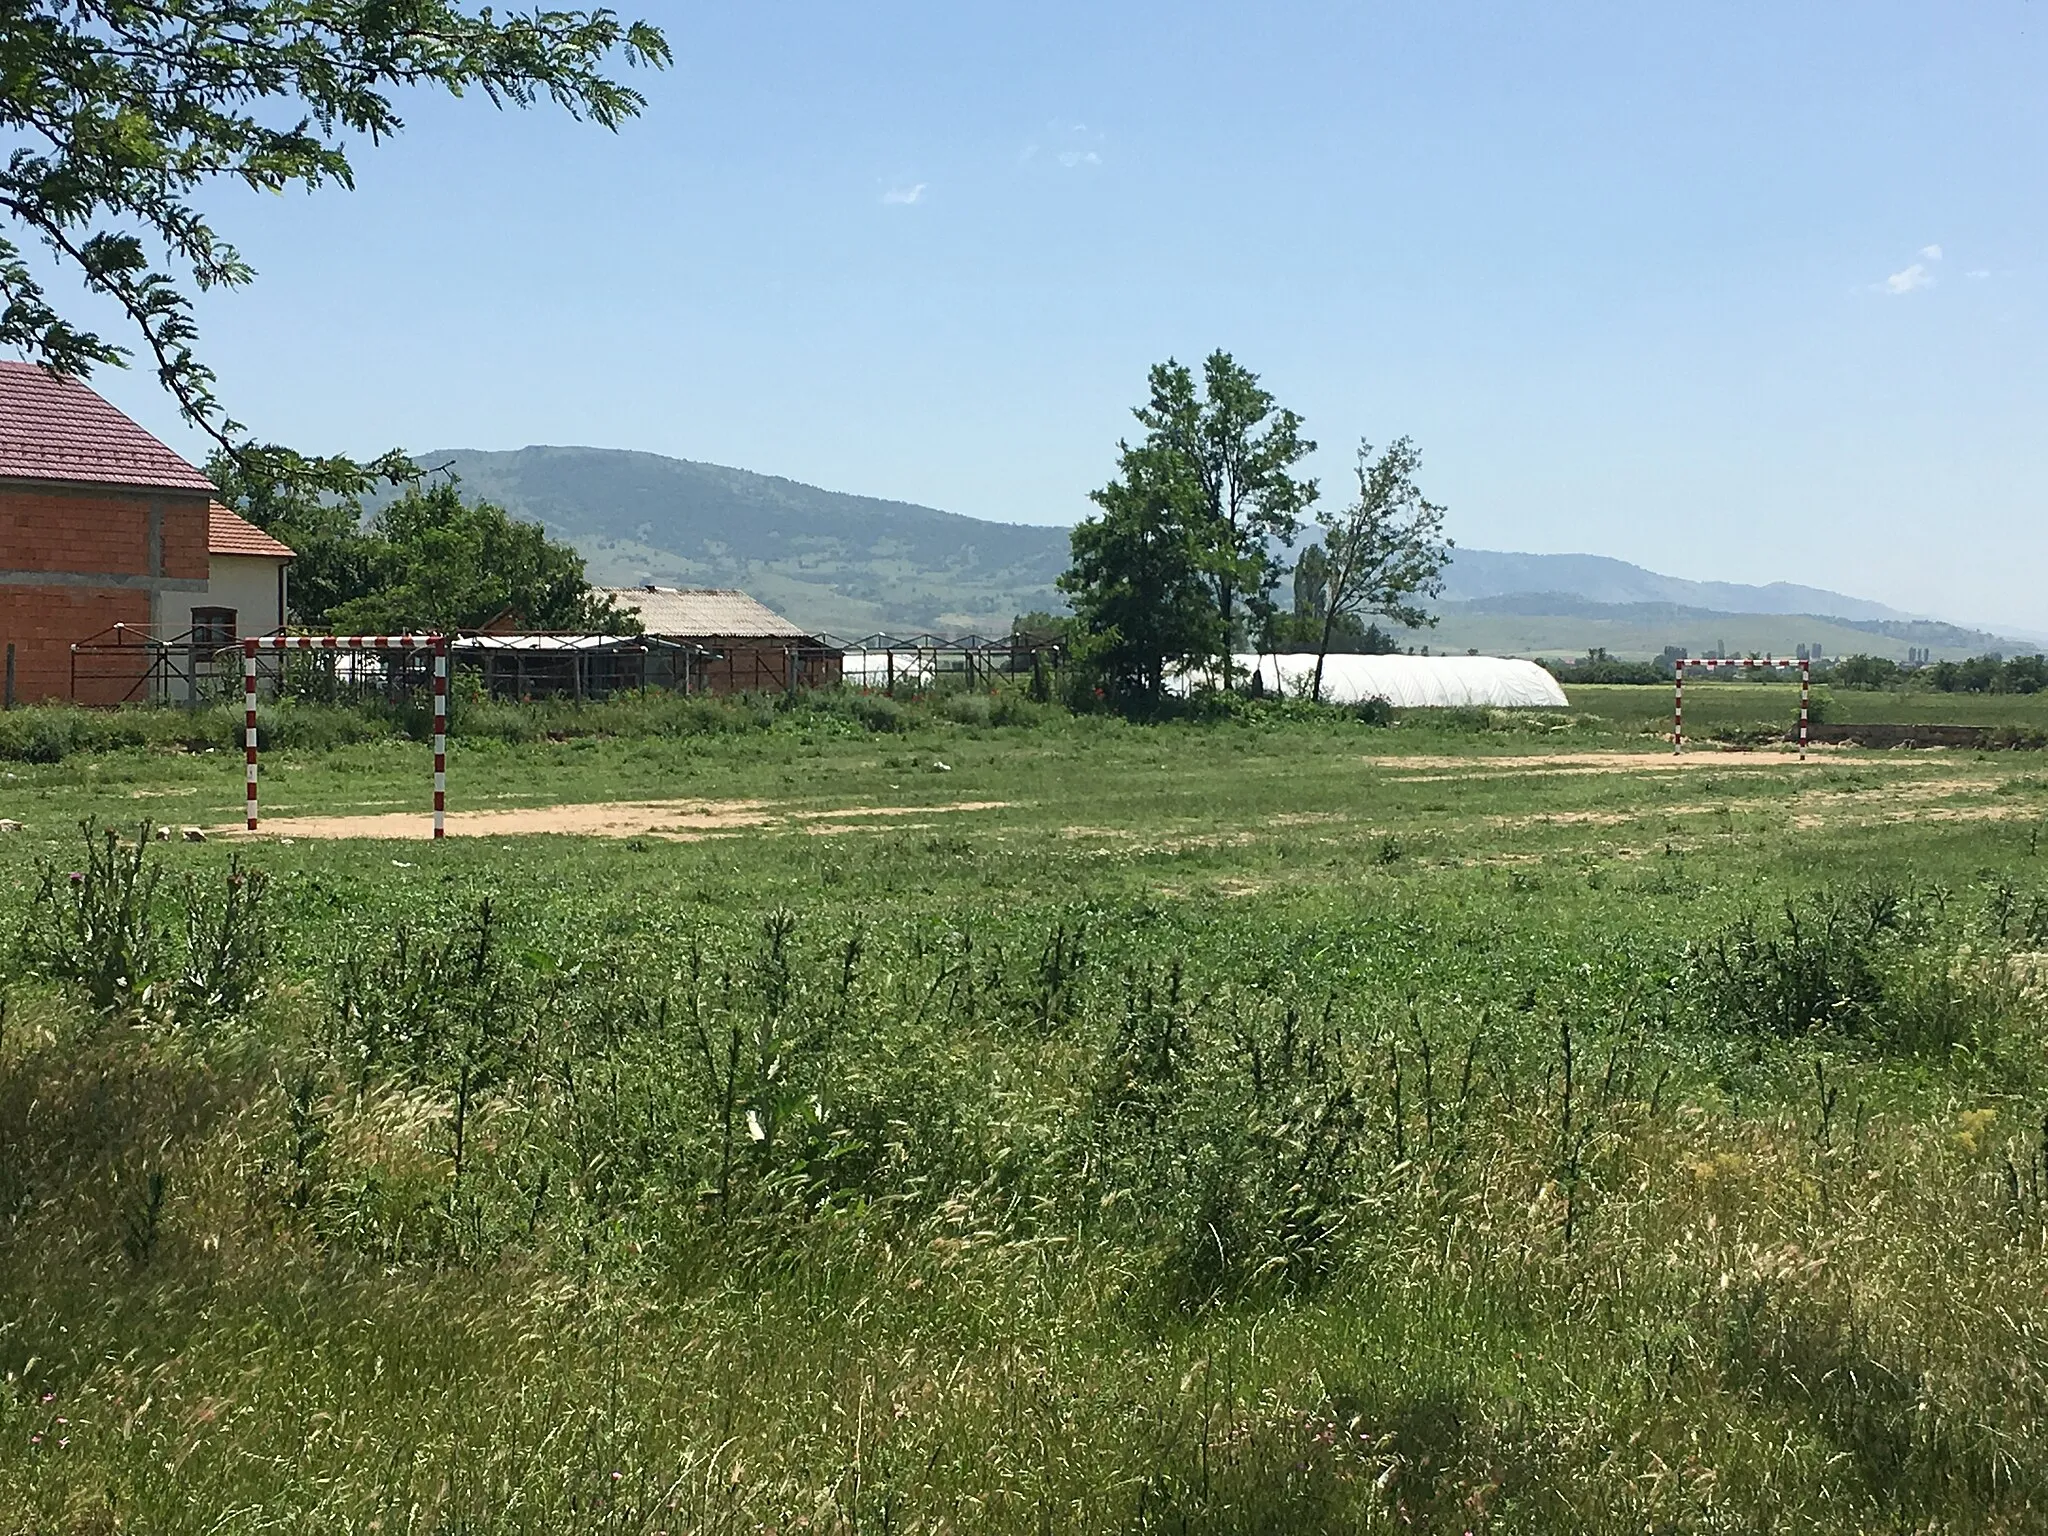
42, 622
763, 667
94, 532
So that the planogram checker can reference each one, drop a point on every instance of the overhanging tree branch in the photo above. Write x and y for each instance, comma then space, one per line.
135, 104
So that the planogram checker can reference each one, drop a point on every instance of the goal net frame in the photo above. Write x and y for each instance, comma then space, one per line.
1680, 663
437, 645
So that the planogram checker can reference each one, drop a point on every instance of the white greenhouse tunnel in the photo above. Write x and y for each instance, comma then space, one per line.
1408, 682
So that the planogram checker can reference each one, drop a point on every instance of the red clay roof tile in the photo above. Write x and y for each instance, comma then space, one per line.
57, 429
229, 534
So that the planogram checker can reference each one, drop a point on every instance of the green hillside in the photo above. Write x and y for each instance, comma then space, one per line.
848, 564
851, 565
1559, 624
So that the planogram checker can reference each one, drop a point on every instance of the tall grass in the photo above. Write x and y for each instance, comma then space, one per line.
792, 1219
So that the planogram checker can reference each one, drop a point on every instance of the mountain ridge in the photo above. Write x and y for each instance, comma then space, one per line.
853, 564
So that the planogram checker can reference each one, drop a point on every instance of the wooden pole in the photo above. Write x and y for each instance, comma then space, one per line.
9, 703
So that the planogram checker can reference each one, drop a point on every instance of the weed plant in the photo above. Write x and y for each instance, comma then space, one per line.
1472, 1171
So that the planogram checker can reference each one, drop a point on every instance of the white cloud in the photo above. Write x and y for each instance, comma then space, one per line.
1978, 272
1071, 146
1931, 252
1915, 276
903, 197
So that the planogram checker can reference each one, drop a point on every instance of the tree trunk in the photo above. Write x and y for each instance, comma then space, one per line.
1224, 594
1315, 692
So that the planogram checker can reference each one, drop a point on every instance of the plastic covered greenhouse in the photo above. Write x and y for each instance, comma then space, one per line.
1409, 682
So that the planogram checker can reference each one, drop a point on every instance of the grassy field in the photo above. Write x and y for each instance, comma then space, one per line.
926, 1123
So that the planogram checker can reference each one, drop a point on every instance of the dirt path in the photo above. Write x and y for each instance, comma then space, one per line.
1591, 762
674, 820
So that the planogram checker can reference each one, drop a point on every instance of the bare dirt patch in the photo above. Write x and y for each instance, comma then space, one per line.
1570, 819
1808, 821
672, 820
1581, 763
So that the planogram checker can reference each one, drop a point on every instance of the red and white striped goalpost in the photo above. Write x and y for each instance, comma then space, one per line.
438, 644
1680, 663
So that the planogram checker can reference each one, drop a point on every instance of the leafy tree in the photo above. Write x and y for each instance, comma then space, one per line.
2026, 674
1349, 635
1140, 581
1864, 672
316, 506
1987, 674
1383, 551
437, 562
1039, 627
123, 114
1237, 449
1311, 583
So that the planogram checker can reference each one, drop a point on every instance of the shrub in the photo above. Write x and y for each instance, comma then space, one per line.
1857, 967
103, 928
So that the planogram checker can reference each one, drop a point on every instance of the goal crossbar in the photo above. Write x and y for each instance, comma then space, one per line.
437, 645
1680, 663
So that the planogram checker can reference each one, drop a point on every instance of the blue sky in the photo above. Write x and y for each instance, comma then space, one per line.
1740, 292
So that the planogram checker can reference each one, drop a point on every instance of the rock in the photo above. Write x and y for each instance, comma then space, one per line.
10, 826
163, 834
939, 767
194, 835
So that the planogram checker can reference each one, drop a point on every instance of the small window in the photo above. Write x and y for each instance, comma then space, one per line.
212, 627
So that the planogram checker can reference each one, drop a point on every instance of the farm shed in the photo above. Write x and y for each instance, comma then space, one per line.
753, 648
927, 660
576, 666
1411, 682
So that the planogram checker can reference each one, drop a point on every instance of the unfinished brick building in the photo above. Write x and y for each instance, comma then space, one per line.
98, 522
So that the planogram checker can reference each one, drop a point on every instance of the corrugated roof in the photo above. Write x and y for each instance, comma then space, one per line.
704, 613
230, 534
57, 429
549, 644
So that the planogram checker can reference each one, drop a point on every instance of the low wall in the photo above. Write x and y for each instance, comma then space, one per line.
1967, 736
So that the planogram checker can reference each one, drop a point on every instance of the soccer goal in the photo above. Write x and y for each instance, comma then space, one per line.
254, 645
1680, 663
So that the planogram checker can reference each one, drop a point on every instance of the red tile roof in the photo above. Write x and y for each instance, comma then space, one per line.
228, 534
57, 429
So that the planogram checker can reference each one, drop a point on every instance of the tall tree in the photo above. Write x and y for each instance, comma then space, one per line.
1383, 551
1240, 449
1311, 582
317, 507
124, 113
432, 560
1140, 586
